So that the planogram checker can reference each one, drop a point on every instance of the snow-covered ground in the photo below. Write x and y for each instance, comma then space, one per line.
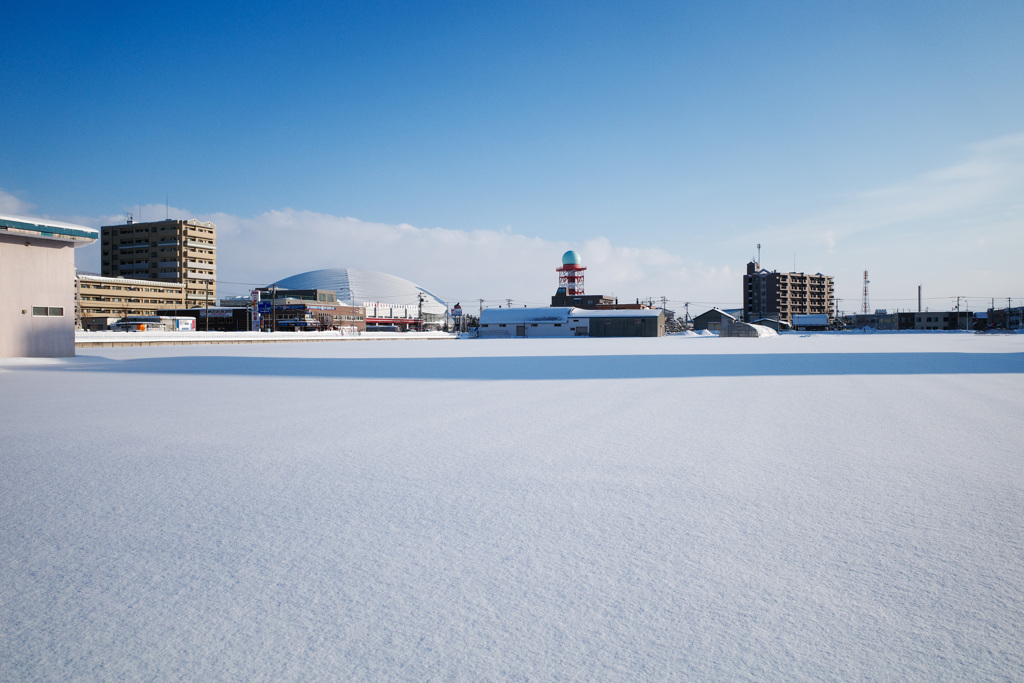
802, 507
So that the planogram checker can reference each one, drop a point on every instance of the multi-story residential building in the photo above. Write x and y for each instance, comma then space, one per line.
775, 295
103, 299
170, 251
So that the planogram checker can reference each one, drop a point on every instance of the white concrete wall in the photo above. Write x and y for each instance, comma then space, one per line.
36, 272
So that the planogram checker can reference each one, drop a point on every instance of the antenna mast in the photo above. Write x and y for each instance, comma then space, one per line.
866, 307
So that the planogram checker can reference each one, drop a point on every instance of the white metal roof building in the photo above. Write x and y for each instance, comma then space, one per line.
504, 323
359, 287
37, 285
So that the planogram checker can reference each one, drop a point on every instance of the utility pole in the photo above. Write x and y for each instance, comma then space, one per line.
78, 301
206, 297
273, 308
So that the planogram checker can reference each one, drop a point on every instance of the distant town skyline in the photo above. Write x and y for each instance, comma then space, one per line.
465, 146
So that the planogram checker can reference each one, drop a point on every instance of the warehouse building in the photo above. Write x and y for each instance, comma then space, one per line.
714, 319
37, 285
523, 323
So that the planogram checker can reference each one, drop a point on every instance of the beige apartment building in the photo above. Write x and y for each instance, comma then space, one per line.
101, 299
169, 251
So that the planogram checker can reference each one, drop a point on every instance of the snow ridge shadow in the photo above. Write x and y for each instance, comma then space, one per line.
665, 366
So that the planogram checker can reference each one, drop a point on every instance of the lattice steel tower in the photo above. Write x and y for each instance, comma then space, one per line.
866, 306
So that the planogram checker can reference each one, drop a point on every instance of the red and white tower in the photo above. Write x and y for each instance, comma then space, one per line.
570, 275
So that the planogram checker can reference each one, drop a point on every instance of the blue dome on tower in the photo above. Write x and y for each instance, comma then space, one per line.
571, 258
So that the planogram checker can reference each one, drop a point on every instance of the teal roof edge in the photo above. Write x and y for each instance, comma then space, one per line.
50, 230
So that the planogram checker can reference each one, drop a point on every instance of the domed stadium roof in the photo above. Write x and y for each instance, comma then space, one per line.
361, 286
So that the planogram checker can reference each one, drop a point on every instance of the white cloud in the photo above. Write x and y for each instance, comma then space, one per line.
935, 228
957, 230
455, 264
459, 265
989, 182
11, 205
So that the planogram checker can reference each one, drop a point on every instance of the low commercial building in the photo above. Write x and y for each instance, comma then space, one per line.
881, 319
1009, 318
306, 309
810, 321
215, 318
522, 323
37, 278
382, 315
155, 323
647, 322
591, 301
944, 320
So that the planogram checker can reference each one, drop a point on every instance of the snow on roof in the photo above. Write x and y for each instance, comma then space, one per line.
92, 277
740, 329
498, 315
732, 313
561, 314
616, 313
48, 229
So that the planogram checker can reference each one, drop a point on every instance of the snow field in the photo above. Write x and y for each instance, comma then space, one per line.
342, 511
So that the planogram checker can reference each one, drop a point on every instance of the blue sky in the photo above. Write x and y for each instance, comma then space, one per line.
466, 145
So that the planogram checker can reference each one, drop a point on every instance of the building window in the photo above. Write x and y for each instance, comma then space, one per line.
48, 311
